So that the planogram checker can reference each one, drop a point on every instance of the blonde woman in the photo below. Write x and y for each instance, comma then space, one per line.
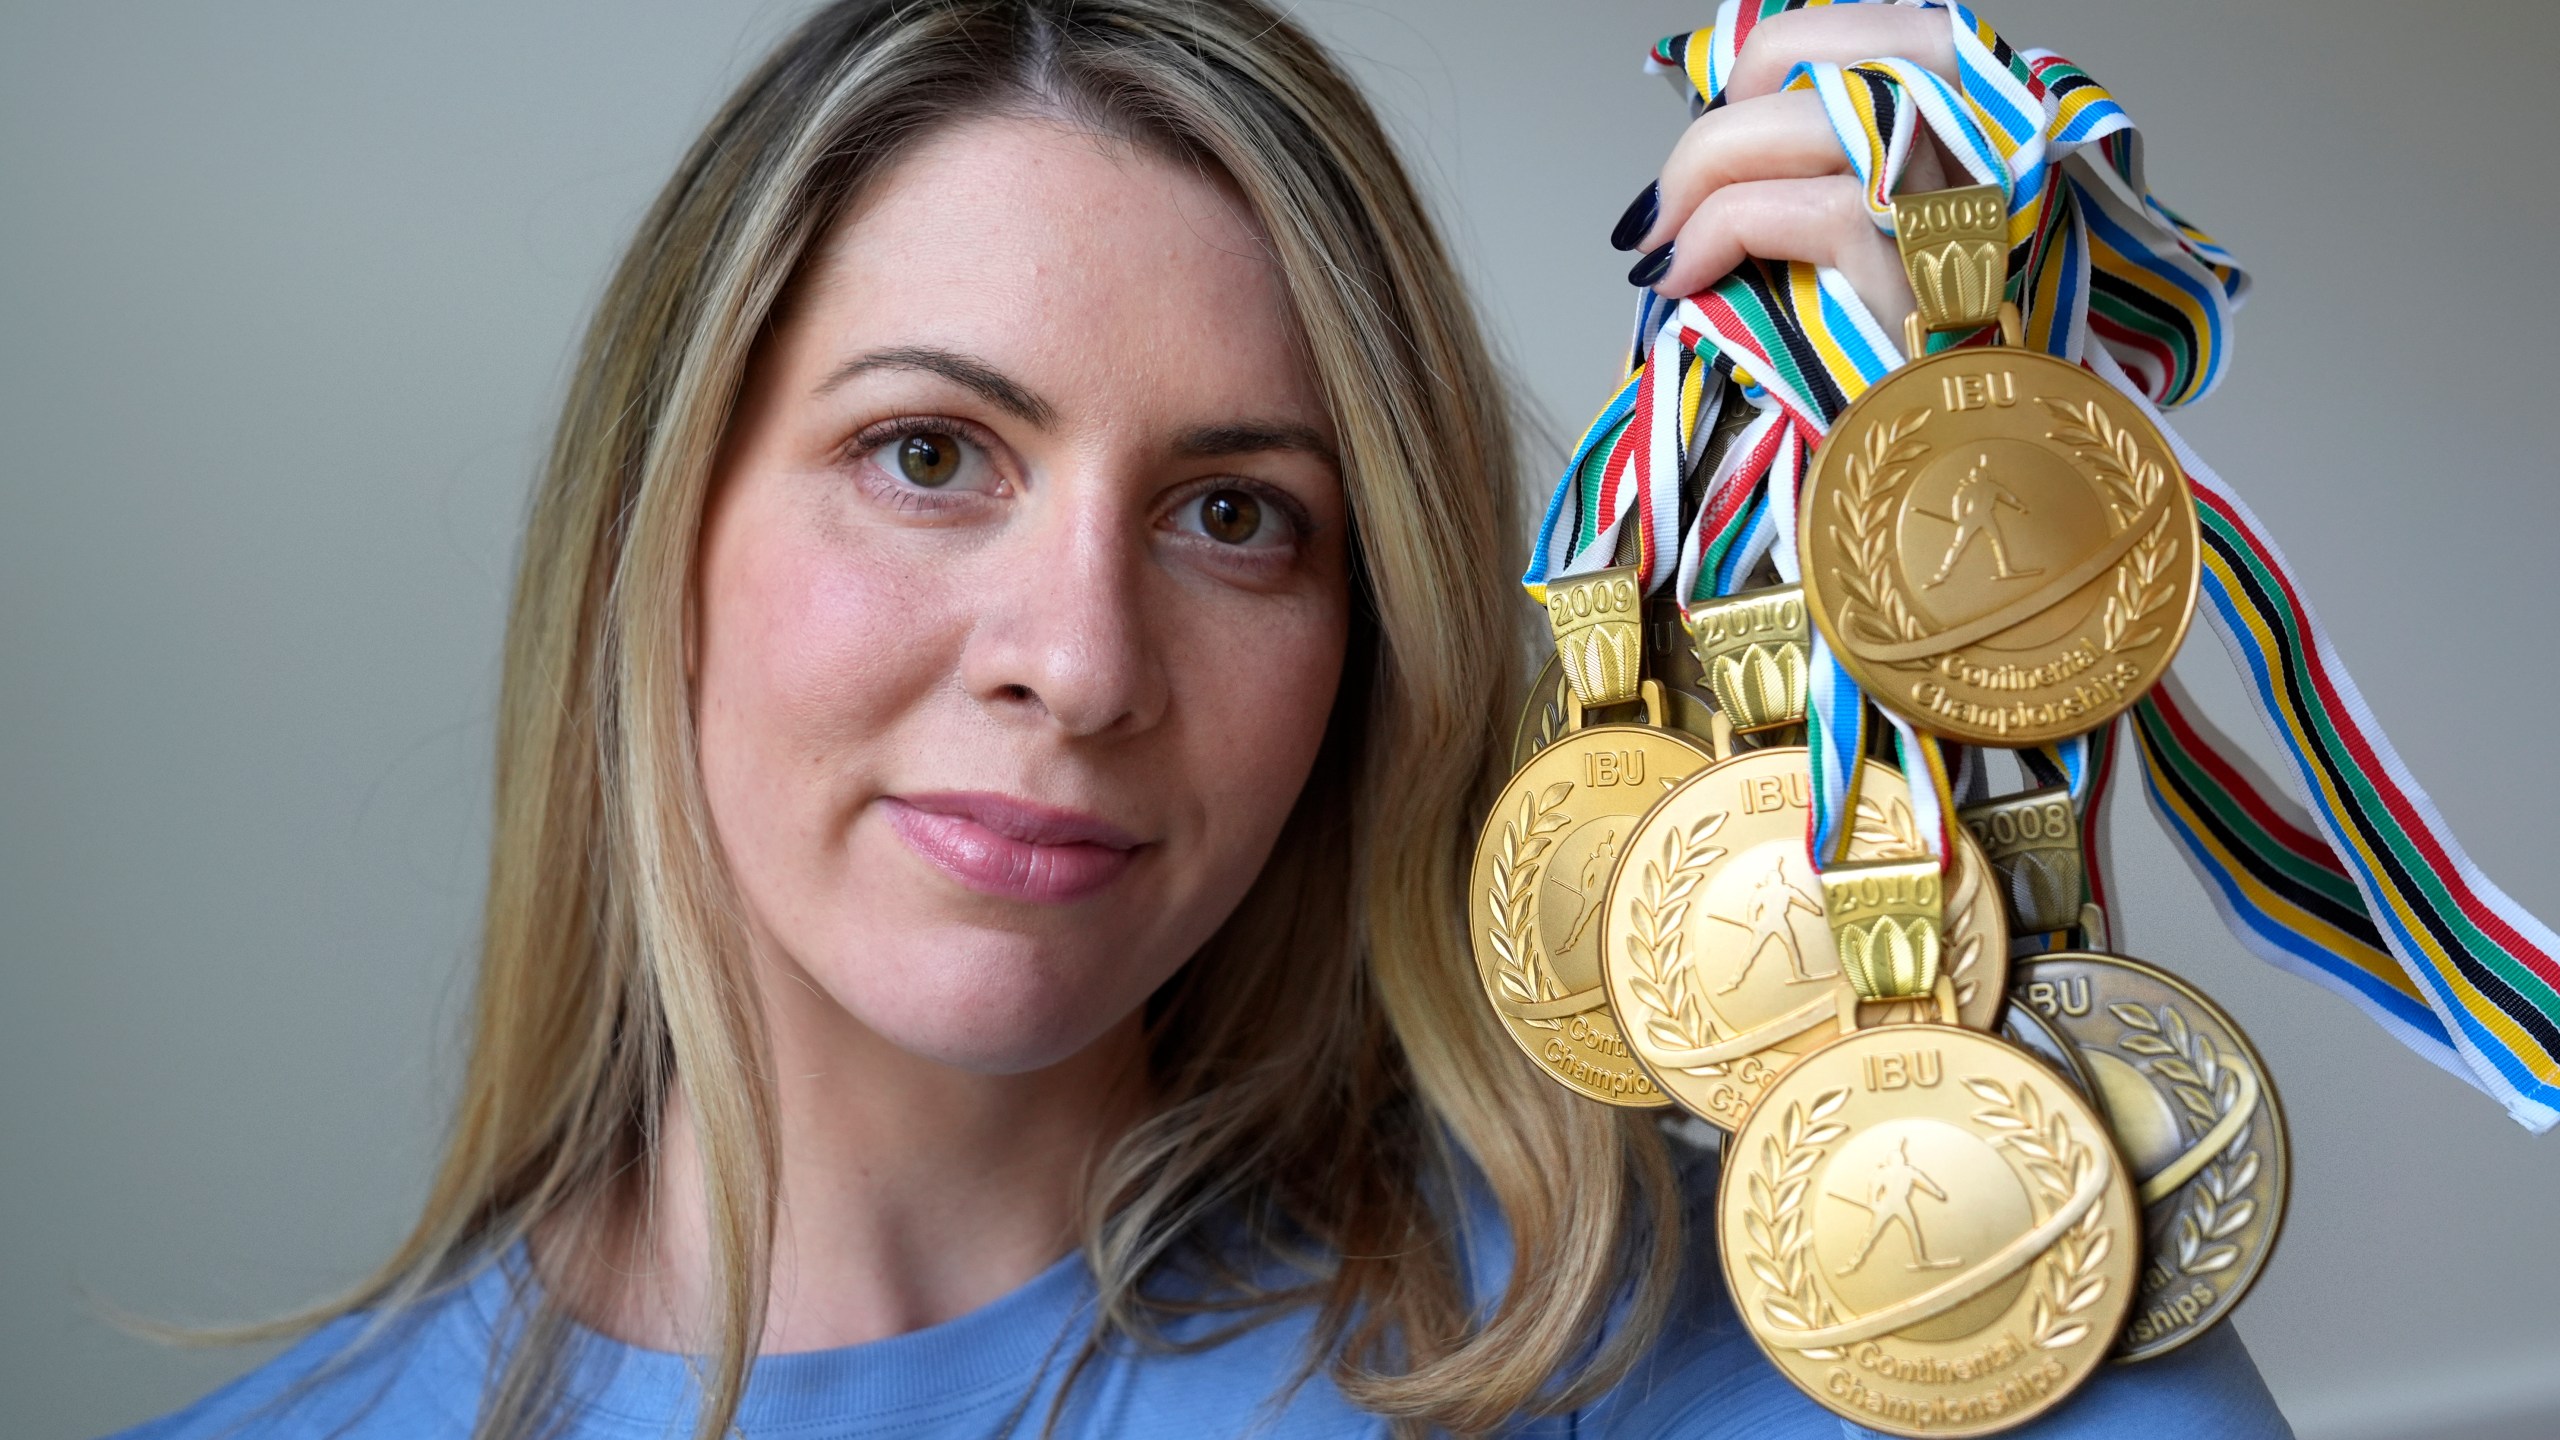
1010, 646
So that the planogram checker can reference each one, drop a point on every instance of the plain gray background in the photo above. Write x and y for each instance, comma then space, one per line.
286, 294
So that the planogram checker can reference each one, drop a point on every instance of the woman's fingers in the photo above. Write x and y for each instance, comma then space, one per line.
1763, 174
1842, 35
1772, 137
1819, 221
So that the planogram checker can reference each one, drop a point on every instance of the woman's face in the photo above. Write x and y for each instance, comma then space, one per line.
1022, 598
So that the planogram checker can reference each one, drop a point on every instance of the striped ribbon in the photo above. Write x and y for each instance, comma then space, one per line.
2101, 257
2369, 893
2487, 970
1610, 477
2277, 884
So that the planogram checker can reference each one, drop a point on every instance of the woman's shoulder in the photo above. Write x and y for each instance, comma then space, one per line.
1705, 1378
359, 1377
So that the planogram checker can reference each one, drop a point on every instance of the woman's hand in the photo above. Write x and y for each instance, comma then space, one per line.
1762, 174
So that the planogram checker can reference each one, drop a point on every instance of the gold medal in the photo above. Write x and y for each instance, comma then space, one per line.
1927, 1232
1718, 959
1544, 858
2192, 1109
1997, 543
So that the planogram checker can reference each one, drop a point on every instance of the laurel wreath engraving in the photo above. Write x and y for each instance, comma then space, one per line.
2216, 1204
1526, 838
2070, 1275
2069, 1278
1872, 607
1773, 1216
1659, 974
2132, 481
1960, 954
1891, 832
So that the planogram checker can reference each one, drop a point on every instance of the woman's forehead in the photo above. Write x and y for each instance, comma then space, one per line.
1089, 269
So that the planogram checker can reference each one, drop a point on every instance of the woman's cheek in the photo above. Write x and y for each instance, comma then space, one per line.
867, 633
814, 644
1270, 700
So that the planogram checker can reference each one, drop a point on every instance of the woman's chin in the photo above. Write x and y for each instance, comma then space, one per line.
1003, 1008
1005, 1046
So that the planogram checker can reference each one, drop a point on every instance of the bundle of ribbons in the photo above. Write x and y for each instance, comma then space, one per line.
2368, 892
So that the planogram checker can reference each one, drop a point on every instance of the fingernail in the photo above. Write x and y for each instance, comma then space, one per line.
1638, 219
1652, 267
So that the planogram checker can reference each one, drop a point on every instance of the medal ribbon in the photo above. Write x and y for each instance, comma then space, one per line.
2485, 967
2373, 897
2277, 884
1611, 475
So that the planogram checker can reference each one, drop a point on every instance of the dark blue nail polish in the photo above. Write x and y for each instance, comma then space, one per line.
1652, 267
1638, 219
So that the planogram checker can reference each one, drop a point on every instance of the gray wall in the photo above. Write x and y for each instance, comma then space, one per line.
286, 291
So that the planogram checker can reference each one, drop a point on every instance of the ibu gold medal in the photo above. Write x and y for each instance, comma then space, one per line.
1927, 1232
1998, 544
1719, 961
1926, 1229
1547, 850
2194, 1113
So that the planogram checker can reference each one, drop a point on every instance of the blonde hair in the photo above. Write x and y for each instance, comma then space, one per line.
1326, 1067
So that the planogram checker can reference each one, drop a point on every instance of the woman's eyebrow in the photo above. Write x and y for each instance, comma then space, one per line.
1247, 437
969, 372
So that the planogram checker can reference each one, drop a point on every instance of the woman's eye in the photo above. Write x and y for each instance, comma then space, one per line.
933, 460
929, 460
1237, 517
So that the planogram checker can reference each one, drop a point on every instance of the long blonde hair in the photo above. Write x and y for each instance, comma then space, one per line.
1325, 1067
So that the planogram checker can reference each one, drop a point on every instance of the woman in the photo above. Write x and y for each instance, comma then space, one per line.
1003, 671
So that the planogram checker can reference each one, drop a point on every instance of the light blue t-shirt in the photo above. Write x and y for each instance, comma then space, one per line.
994, 1372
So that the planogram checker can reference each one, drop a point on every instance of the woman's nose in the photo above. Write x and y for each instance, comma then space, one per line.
1064, 635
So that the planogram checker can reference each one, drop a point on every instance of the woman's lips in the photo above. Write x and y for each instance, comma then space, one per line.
997, 845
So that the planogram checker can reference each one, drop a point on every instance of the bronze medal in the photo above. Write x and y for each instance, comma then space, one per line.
1999, 545
1718, 958
2193, 1111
